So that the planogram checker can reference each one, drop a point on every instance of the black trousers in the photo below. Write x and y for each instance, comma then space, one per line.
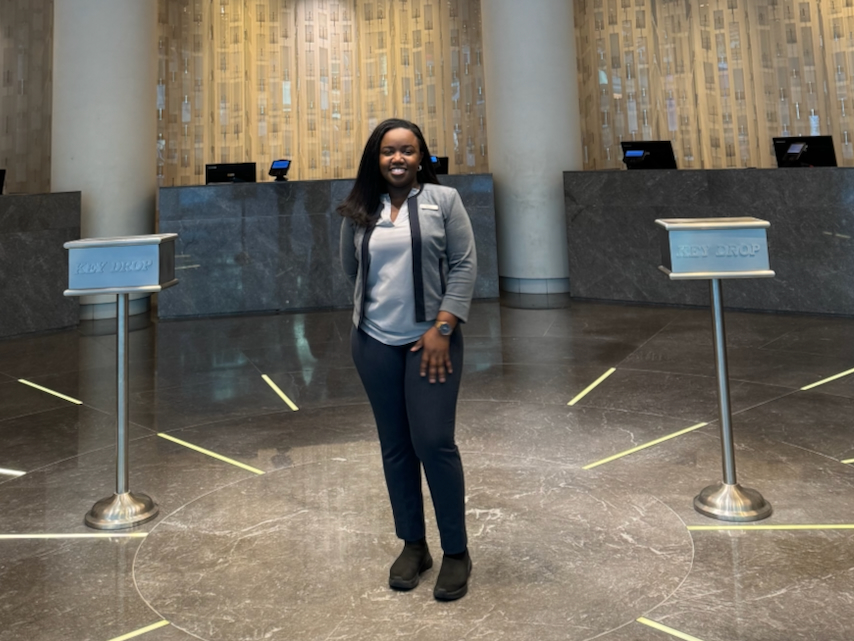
416, 421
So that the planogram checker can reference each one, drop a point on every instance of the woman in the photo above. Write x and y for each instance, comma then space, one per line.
407, 246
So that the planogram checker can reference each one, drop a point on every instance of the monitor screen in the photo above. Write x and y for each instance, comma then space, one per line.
805, 151
648, 154
241, 172
279, 169
440, 164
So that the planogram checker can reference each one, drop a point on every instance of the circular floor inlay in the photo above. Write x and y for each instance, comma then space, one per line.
303, 553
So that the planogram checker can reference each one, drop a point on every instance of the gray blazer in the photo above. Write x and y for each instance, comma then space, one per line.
444, 261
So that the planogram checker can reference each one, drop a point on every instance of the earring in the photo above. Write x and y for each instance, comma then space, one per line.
419, 167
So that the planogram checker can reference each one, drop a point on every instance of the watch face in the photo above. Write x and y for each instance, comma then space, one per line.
444, 329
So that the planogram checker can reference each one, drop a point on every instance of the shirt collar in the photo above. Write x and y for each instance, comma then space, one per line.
385, 198
385, 208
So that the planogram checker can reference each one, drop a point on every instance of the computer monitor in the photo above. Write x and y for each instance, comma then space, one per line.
648, 154
440, 164
2, 179
279, 169
239, 172
805, 151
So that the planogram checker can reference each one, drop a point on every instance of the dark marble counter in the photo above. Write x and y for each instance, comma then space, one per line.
614, 244
272, 247
34, 264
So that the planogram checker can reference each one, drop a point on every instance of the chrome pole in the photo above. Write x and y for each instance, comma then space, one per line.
123, 509
724, 411
727, 501
122, 397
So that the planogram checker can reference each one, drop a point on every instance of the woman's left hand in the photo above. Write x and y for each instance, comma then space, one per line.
435, 355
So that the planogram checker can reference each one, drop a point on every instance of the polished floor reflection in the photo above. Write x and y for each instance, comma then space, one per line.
295, 541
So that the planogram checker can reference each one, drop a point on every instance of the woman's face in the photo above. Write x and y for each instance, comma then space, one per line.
400, 156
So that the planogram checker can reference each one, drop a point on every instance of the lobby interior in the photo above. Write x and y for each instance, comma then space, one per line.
586, 429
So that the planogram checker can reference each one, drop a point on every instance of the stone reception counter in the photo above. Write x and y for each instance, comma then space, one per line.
34, 264
614, 243
268, 247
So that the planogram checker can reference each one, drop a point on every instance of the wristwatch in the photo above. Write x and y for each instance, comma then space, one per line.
444, 328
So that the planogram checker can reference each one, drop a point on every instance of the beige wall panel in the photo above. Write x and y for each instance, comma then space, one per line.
26, 52
308, 79
719, 78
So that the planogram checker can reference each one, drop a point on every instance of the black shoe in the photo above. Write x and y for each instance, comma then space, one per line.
453, 581
413, 560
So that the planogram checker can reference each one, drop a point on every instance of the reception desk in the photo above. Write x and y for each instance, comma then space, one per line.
34, 264
614, 244
266, 247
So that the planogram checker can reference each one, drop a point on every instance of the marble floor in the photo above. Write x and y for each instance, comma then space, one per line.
295, 541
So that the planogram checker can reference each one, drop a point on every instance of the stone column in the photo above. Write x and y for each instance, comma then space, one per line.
104, 129
533, 124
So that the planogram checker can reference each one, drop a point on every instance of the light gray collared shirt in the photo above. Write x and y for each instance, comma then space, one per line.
389, 305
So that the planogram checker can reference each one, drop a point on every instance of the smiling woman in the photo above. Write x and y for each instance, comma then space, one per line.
408, 248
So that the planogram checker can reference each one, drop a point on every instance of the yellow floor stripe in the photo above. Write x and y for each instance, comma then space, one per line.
670, 631
645, 445
592, 386
281, 394
88, 535
850, 460
834, 526
827, 380
141, 631
50, 391
219, 457
3, 470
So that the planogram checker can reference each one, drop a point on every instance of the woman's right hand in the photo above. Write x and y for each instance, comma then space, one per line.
435, 355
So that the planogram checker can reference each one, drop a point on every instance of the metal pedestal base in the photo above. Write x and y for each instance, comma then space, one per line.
732, 503
121, 511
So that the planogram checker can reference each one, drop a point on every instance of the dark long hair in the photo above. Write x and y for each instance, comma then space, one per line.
364, 199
